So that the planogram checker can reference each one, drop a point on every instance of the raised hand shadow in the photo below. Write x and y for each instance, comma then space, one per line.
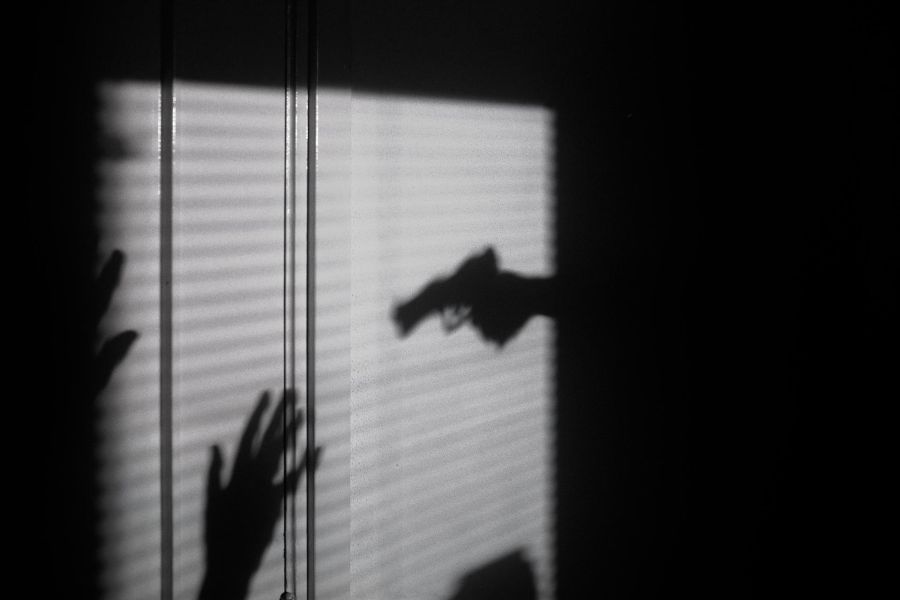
241, 515
114, 349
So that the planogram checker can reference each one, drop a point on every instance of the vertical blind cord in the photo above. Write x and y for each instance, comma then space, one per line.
288, 282
166, 197
287, 95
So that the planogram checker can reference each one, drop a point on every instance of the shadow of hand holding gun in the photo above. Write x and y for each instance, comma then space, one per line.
497, 303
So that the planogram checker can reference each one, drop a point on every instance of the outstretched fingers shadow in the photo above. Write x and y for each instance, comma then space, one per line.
114, 349
241, 515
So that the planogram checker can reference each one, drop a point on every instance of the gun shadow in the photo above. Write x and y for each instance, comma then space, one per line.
495, 302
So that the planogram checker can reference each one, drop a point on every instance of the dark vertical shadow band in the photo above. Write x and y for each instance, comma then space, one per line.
166, 170
311, 165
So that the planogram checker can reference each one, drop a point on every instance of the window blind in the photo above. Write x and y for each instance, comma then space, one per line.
438, 449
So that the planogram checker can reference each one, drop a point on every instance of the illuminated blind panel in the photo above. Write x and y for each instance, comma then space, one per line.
333, 344
451, 438
438, 449
227, 317
128, 418
228, 314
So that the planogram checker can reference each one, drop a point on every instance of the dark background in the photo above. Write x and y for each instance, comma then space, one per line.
726, 187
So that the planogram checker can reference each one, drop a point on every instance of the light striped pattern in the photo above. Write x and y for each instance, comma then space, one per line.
438, 449
451, 438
